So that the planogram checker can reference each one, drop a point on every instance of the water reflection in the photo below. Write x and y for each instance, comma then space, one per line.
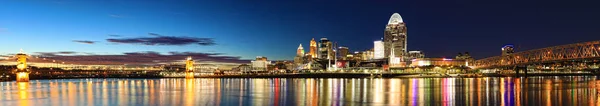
532, 91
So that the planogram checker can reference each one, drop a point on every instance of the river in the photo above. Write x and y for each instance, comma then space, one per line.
488, 91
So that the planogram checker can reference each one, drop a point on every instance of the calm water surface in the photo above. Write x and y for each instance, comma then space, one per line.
532, 91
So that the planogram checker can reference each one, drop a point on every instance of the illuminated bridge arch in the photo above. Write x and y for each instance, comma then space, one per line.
584, 50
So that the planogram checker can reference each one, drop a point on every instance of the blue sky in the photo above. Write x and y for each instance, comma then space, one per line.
47, 26
274, 28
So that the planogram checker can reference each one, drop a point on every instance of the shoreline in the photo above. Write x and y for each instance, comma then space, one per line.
324, 75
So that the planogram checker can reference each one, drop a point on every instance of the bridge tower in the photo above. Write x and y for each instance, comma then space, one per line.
22, 71
189, 68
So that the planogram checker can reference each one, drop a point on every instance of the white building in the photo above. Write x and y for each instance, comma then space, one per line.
260, 64
378, 50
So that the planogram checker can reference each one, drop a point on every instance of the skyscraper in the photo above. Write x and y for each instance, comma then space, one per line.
300, 51
378, 50
343, 52
395, 36
325, 49
299, 59
313, 48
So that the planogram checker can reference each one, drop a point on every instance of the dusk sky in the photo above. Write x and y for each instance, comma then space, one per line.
227, 29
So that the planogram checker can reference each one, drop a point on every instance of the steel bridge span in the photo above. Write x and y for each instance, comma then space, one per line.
585, 52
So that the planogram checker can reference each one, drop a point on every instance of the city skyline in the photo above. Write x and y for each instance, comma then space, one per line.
173, 30
299, 52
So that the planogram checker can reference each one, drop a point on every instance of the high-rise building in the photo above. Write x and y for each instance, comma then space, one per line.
343, 53
378, 50
300, 51
325, 49
299, 59
395, 37
313, 48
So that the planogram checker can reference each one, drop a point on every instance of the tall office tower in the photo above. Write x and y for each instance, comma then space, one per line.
395, 36
325, 49
300, 51
378, 50
299, 59
343, 53
313, 48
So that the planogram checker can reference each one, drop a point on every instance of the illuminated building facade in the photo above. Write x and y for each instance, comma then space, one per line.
395, 37
189, 68
378, 50
325, 49
22, 71
466, 56
299, 59
262, 58
437, 62
260, 64
243, 68
313, 48
395, 61
414, 55
343, 53
368, 55
357, 55
300, 51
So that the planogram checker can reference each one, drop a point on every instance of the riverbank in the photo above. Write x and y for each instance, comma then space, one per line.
386, 75
321, 75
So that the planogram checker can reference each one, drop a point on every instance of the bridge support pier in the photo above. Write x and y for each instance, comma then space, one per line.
189, 75
596, 73
518, 71
22, 77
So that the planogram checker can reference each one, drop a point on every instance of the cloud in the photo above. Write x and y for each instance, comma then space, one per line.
114, 35
165, 40
116, 16
134, 58
154, 34
84, 41
2, 29
56, 53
